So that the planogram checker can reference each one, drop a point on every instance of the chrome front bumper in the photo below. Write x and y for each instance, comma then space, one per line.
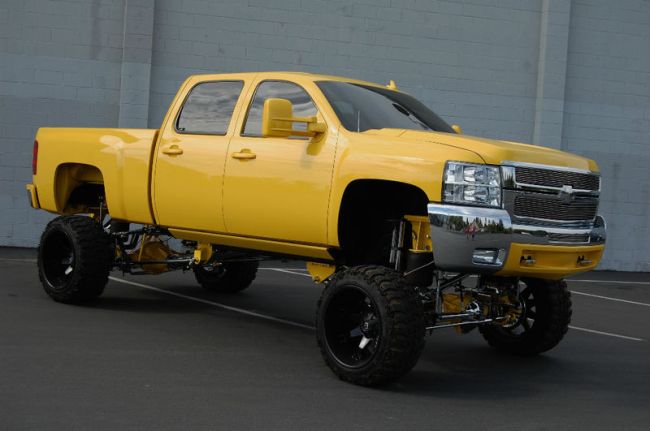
462, 236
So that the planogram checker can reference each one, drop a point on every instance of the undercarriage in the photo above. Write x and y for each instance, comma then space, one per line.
148, 250
465, 301
371, 319
459, 300
449, 300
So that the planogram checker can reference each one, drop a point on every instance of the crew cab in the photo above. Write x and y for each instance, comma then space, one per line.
393, 210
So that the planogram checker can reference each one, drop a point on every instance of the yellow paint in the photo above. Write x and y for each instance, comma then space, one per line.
33, 196
386, 154
278, 119
68, 177
320, 271
284, 192
276, 116
277, 194
420, 233
264, 245
203, 252
121, 156
152, 248
187, 188
550, 261
451, 302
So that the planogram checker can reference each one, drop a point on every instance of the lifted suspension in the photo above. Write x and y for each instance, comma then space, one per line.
143, 248
487, 302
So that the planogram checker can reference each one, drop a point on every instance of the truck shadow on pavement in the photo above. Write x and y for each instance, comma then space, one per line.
473, 372
450, 366
151, 304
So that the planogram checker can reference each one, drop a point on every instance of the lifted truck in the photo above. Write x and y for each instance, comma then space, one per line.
409, 225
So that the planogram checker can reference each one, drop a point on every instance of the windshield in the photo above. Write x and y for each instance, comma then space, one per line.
363, 107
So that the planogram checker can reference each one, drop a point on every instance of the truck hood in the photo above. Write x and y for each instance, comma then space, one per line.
493, 151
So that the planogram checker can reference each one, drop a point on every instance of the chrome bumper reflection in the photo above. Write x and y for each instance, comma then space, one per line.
464, 233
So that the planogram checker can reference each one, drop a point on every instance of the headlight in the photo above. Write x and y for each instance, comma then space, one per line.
466, 183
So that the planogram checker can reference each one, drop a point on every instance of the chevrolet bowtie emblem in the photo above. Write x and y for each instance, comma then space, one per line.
566, 193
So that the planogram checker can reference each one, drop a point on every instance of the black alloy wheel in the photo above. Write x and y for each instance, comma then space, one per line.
370, 325
75, 256
58, 259
352, 326
545, 315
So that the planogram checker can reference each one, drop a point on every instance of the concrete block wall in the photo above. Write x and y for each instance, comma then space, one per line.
474, 62
59, 65
607, 117
571, 74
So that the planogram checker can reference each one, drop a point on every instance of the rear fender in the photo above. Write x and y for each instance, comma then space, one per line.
69, 177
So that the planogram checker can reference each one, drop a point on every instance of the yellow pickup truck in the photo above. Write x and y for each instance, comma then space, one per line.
410, 225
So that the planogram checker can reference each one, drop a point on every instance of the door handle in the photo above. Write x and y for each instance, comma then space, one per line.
172, 150
244, 154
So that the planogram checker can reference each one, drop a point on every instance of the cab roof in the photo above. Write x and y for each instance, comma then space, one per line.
287, 75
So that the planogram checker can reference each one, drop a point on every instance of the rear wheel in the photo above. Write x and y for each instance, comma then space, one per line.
74, 259
228, 278
370, 325
544, 318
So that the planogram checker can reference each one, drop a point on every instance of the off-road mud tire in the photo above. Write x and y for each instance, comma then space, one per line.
553, 316
401, 325
230, 278
90, 259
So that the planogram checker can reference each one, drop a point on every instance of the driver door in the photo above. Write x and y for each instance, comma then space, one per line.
278, 188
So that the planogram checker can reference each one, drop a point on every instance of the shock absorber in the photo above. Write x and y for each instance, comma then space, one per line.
397, 245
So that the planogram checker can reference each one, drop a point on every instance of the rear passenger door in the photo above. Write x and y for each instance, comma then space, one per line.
280, 189
190, 157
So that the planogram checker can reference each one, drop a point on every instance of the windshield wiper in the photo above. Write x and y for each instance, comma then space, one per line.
411, 116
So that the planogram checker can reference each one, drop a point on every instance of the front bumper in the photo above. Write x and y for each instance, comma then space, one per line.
486, 240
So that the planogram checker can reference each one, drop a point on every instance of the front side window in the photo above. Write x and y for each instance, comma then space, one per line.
364, 107
209, 107
303, 106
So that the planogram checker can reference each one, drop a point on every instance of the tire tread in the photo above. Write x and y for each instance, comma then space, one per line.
237, 277
542, 339
93, 259
406, 326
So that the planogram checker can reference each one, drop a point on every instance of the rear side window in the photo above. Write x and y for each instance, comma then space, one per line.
209, 107
302, 104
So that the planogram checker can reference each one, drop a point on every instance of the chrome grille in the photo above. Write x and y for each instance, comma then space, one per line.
569, 238
552, 208
552, 178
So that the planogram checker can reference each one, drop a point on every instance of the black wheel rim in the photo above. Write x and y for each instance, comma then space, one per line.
528, 313
212, 272
352, 327
58, 259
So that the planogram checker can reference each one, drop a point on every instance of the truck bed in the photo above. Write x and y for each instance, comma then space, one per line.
121, 159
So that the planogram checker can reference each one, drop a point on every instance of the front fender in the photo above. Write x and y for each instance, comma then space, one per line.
389, 158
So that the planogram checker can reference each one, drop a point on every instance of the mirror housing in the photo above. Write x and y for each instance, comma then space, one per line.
278, 119
457, 129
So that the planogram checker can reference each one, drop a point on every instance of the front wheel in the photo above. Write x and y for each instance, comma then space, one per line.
370, 325
544, 318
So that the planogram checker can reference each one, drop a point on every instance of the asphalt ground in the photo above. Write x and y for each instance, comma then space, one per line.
158, 352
